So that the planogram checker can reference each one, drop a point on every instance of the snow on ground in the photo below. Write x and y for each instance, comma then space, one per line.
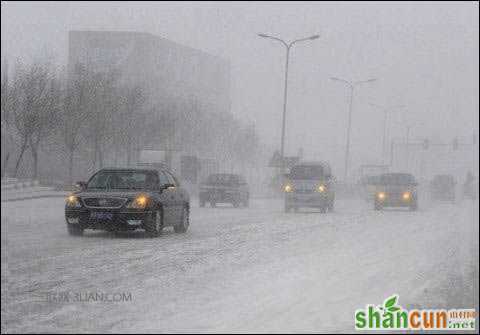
237, 270
32, 192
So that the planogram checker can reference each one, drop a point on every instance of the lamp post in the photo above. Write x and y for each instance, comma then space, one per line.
385, 110
287, 46
351, 85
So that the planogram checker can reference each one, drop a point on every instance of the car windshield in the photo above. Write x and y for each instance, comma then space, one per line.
444, 179
225, 179
372, 180
306, 172
397, 179
134, 180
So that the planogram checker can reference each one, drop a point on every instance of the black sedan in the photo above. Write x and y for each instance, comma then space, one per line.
128, 199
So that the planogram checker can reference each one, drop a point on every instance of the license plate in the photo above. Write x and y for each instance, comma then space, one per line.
101, 216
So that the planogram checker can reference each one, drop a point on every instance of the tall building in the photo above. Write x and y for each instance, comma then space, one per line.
162, 67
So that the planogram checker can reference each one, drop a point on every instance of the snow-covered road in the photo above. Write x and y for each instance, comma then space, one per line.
236, 270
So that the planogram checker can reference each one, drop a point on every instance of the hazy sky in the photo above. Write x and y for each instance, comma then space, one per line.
425, 56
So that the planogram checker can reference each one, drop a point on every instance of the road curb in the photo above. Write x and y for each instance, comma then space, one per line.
35, 197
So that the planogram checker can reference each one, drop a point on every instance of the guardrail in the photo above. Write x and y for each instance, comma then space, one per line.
14, 183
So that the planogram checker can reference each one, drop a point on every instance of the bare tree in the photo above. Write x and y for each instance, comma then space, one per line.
93, 113
100, 114
73, 117
128, 120
135, 119
37, 91
23, 121
7, 105
46, 110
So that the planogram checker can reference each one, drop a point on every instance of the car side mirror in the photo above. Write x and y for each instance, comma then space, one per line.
166, 187
81, 185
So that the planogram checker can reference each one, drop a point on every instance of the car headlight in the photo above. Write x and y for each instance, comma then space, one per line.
72, 201
288, 188
381, 195
321, 188
406, 195
140, 202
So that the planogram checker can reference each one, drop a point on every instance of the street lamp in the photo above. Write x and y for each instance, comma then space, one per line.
352, 86
288, 47
386, 110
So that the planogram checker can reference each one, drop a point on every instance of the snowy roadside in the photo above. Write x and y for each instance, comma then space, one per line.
29, 193
236, 270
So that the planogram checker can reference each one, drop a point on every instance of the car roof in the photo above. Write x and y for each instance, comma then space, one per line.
136, 168
126, 169
392, 174
312, 163
443, 176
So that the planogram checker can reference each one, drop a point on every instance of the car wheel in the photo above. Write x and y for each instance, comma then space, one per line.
154, 224
213, 204
323, 209
74, 230
183, 226
235, 204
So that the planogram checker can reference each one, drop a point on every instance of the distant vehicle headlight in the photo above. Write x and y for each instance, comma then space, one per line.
288, 188
321, 188
406, 195
73, 202
140, 202
381, 195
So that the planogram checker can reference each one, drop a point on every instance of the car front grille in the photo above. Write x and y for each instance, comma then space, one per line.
304, 191
394, 196
104, 202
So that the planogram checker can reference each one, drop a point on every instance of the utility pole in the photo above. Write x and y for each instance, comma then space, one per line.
287, 46
351, 85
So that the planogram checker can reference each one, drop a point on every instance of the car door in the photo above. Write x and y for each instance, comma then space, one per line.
167, 196
177, 197
243, 188
329, 182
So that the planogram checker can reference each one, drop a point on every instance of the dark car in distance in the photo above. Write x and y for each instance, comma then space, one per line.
128, 199
224, 188
442, 187
310, 184
396, 190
